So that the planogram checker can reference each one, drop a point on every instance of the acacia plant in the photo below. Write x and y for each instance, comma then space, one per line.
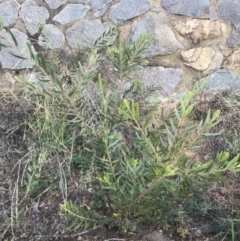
140, 162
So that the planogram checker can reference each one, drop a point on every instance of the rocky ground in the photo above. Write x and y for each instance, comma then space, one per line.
191, 39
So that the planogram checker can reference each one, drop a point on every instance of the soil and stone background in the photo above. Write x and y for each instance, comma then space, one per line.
193, 39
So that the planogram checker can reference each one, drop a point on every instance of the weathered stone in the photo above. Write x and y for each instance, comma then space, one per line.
100, 6
166, 78
6, 8
204, 59
51, 37
225, 50
33, 16
85, 32
7, 59
233, 62
213, 14
198, 58
199, 30
222, 80
229, 10
233, 38
164, 38
192, 8
54, 4
83, 1
128, 9
7, 82
215, 63
71, 13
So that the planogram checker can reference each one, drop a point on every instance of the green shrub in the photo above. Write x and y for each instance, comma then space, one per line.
139, 161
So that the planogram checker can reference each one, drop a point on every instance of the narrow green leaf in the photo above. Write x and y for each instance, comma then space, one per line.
41, 61
33, 56
124, 113
114, 144
44, 80
1, 23
188, 110
17, 56
149, 117
199, 127
173, 126
168, 131
216, 114
206, 123
232, 162
177, 114
71, 92
137, 112
13, 37
3, 45
203, 167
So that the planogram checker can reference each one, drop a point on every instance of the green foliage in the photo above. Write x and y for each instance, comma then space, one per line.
140, 161
125, 59
229, 228
200, 207
81, 217
1, 24
108, 38
33, 182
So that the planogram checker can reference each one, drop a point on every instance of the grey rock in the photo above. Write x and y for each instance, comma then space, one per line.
229, 10
7, 7
100, 6
192, 8
128, 9
222, 80
164, 38
216, 62
83, 1
33, 16
71, 13
213, 13
7, 59
233, 38
54, 4
166, 78
85, 32
51, 37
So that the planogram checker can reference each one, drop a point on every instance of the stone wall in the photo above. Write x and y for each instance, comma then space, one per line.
192, 38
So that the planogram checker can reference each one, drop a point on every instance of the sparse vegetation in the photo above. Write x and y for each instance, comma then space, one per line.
133, 160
